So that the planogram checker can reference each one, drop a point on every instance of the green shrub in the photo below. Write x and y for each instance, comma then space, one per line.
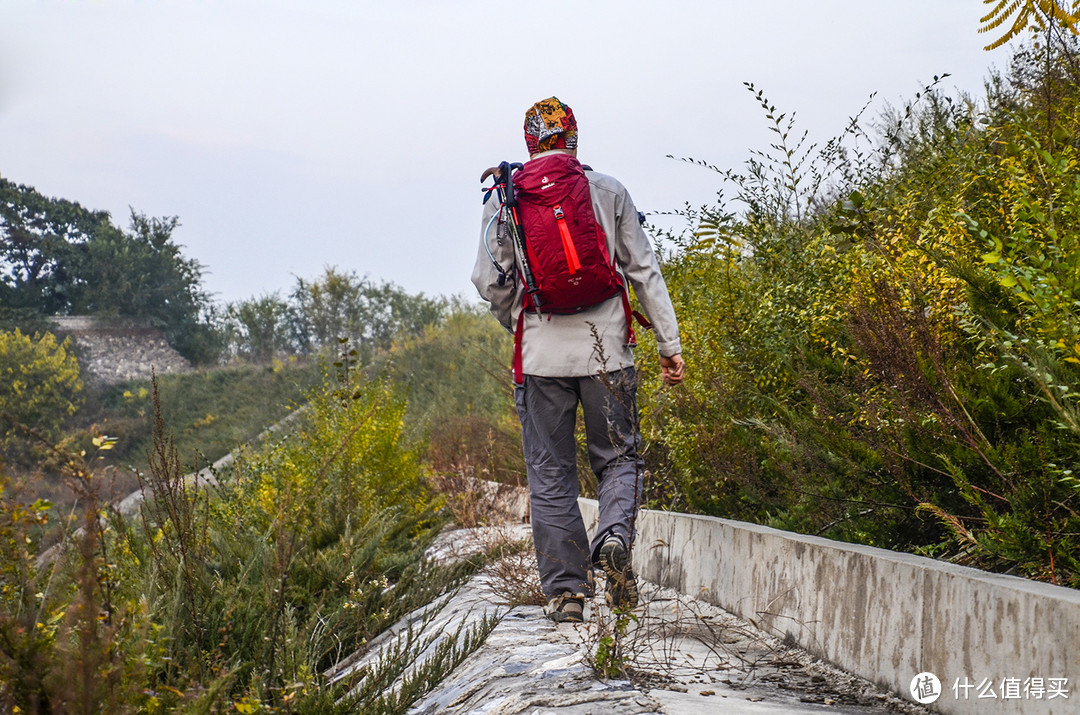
234, 596
890, 358
39, 386
457, 379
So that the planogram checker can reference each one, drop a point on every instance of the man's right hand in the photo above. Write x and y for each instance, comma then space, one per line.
672, 369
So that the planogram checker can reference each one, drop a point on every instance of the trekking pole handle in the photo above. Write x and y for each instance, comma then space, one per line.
497, 171
505, 174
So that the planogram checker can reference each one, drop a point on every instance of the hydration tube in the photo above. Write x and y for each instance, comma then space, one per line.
487, 246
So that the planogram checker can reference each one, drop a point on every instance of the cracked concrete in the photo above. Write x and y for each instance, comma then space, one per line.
680, 656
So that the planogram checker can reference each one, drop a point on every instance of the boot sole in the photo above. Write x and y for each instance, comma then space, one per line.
621, 583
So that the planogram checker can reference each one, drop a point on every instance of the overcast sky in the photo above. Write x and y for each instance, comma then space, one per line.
288, 136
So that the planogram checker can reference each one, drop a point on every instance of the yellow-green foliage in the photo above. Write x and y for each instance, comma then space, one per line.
21, 627
345, 459
898, 365
237, 596
1037, 14
39, 382
1031, 240
18, 524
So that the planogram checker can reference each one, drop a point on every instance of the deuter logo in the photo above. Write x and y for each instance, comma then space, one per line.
544, 183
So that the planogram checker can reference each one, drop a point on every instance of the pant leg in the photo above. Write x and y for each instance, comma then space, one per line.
609, 404
547, 408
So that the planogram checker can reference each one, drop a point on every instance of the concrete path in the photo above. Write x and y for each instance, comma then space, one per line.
682, 656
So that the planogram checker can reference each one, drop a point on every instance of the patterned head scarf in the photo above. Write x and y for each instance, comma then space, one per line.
550, 124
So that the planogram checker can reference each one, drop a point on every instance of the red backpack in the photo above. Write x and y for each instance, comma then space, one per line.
565, 245
567, 249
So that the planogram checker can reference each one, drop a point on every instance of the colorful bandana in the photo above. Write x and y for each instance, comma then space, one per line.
550, 124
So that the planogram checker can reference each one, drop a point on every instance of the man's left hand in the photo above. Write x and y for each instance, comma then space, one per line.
672, 369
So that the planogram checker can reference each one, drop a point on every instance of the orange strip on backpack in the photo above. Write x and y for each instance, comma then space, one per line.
572, 260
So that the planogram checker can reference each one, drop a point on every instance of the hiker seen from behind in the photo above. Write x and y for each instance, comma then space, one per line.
560, 246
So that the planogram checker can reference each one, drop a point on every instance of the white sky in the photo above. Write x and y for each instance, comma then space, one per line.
288, 136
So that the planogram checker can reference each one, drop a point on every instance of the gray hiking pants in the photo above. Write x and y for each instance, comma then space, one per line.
547, 407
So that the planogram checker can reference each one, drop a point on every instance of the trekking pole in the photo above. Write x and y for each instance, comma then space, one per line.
504, 187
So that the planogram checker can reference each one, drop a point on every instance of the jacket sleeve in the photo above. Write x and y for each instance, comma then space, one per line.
485, 276
635, 257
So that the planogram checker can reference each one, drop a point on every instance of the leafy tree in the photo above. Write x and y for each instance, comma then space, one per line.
39, 387
58, 258
142, 272
43, 244
395, 313
371, 315
330, 307
260, 328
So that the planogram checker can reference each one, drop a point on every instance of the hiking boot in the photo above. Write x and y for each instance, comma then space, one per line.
567, 608
621, 583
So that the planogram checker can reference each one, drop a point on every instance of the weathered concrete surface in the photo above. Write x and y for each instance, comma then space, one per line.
879, 614
700, 658
686, 657
425, 630
529, 664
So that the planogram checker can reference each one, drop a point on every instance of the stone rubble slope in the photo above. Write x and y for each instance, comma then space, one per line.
112, 351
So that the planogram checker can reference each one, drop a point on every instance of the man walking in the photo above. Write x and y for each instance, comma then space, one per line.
568, 354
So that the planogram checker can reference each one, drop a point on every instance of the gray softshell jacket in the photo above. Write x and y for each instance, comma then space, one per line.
593, 340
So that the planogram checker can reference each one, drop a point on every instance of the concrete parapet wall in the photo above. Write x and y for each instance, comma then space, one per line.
882, 615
